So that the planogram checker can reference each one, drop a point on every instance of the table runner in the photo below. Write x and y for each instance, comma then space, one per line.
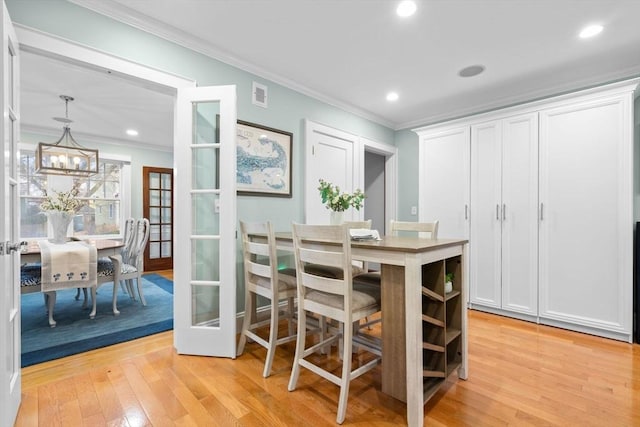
68, 265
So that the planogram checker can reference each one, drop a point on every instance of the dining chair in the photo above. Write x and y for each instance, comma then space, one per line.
262, 277
120, 270
335, 299
131, 267
105, 264
359, 266
428, 230
423, 229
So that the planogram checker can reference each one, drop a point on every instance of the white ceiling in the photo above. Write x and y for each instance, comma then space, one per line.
105, 105
350, 53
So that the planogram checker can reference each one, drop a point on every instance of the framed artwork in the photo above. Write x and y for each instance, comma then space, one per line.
263, 157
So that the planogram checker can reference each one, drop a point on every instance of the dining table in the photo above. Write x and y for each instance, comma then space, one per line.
402, 259
67, 253
104, 247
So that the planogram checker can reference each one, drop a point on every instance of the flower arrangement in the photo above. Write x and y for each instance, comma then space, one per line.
339, 202
62, 201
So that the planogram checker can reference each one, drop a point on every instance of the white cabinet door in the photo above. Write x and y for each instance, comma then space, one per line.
520, 214
504, 226
444, 180
586, 230
486, 216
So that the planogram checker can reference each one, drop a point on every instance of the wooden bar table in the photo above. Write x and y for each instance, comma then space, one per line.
419, 317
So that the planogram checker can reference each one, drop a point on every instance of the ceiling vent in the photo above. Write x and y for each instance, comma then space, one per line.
259, 95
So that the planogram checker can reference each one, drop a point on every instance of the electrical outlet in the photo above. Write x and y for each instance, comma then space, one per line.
414, 210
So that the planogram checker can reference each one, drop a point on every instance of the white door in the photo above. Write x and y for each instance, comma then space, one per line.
205, 225
520, 214
586, 230
330, 156
444, 181
9, 229
486, 221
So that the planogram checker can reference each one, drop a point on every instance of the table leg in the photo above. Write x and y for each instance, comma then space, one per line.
393, 333
413, 327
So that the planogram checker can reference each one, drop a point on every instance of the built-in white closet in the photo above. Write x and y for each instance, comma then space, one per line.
545, 191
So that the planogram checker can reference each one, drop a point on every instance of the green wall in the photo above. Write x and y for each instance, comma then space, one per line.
407, 143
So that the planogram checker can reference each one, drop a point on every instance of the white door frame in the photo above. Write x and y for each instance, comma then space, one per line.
52, 46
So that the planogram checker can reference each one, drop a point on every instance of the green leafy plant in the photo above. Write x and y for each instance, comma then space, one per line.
448, 277
339, 202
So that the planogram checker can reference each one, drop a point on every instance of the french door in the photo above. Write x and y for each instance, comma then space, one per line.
157, 206
9, 229
205, 226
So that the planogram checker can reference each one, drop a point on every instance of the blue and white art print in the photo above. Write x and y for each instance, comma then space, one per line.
263, 158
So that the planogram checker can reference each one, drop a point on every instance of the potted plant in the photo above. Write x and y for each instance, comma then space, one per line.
338, 202
448, 282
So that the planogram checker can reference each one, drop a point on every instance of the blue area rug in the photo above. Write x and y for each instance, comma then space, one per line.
75, 332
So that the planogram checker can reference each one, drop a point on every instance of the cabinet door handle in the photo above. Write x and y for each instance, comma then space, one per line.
466, 211
498, 212
504, 211
541, 211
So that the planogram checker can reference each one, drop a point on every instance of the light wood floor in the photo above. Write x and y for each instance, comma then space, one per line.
519, 374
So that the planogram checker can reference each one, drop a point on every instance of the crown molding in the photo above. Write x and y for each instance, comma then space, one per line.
622, 75
160, 29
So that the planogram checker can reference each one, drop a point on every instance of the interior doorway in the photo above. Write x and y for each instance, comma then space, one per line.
157, 206
82, 57
374, 188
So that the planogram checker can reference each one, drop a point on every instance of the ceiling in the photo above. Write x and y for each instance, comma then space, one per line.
104, 105
350, 53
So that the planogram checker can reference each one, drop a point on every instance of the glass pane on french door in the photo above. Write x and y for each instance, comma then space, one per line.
205, 212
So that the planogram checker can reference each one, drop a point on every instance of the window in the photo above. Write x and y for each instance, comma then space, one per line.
104, 194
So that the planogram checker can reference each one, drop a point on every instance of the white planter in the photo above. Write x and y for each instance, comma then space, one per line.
59, 225
336, 218
448, 287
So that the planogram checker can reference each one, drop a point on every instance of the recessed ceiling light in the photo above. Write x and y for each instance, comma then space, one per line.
590, 31
470, 71
132, 132
406, 8
392, 96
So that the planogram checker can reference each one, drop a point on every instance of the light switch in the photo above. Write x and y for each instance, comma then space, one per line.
414, 210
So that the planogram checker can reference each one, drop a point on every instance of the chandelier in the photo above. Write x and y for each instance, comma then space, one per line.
66, 156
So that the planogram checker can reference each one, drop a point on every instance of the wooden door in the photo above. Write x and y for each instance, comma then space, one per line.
157, 198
